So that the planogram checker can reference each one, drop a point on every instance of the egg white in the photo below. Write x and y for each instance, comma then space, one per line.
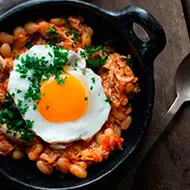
63, 132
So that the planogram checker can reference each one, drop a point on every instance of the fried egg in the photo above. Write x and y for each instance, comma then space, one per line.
73, 110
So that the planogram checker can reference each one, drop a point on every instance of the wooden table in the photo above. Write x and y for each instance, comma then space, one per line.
167, 167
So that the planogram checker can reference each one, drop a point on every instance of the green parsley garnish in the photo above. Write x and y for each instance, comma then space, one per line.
91, 88
91, 51
74, 33
53, 32
61, 81
24, 109
97, 61
41, 71
84, 72
93, 63
86, 98
129, 61
13, 94
52, 42
93, 80
50, 54
108, 100
10, 116
47, 107
28, 45
35, 106
82, 54
20, 103
18, 91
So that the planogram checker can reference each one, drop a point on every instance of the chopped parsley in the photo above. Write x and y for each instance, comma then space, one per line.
18, 91
28, 45
74, 33
10, 116
129, 61
82, 54
97, 61
13, 94
93, 63
53, 32
47, 107
61, 81
35, 106
91, 88
41, 71
24, 109
20, 103
87, 36
91, 50
84, 72
108, 100
86, 98
52, 42
50, 54
93, 80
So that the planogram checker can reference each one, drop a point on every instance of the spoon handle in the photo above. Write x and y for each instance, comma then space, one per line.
155, 134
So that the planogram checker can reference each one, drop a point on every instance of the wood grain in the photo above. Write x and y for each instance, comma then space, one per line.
5, 5
167, 167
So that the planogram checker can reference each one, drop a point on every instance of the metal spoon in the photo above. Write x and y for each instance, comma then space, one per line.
182, 84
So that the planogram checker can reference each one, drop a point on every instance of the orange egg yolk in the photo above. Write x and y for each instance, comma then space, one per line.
62, 102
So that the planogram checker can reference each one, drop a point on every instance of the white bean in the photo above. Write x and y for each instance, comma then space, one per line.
82, 164
19, 30
44, 167
62, 165
109, 131
98, 138
126, 123
35, 151
17, 155
117, 130
6, 38
30, 27
78, 171
5, 50
57, 21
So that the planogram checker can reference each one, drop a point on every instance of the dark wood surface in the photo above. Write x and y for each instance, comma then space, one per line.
167, 167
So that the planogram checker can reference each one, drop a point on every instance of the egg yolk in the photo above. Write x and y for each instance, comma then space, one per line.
62, 102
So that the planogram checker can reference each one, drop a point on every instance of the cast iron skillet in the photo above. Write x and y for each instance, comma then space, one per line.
117, 26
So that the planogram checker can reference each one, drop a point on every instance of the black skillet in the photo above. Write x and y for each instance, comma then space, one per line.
117, 26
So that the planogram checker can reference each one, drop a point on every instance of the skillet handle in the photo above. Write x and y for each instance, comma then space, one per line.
156, 33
